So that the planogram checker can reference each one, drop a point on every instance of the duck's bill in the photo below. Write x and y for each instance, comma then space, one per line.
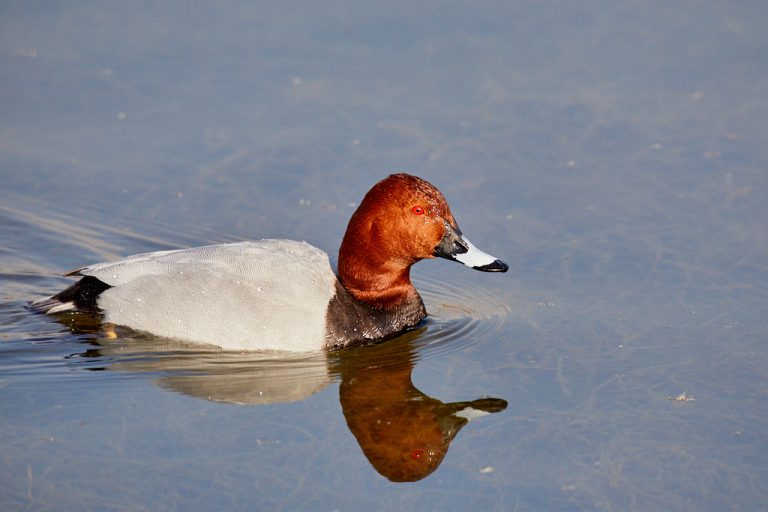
454, 246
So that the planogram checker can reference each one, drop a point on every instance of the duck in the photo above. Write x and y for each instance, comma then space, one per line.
283, 295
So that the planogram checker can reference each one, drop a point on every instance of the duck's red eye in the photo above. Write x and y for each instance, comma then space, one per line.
416, 454
418, 210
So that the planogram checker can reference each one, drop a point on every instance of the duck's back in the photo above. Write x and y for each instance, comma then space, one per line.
266, 294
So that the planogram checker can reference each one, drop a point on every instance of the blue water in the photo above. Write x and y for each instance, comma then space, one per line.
614, 154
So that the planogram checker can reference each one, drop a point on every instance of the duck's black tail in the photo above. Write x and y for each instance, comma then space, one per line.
81, 296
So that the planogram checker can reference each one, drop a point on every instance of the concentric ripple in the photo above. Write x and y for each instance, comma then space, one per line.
459, 315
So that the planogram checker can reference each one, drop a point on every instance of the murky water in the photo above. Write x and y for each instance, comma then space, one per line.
614, 155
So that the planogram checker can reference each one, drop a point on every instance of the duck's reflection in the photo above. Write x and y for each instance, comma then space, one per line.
404, 433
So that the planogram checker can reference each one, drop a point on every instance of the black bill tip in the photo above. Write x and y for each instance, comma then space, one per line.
496, 266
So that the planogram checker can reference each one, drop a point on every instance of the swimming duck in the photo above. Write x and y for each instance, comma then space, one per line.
283, 294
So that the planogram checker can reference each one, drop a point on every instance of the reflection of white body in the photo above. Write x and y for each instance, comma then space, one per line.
222, 376
269, 293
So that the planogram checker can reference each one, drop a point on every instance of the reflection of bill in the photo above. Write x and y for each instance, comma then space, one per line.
404, 433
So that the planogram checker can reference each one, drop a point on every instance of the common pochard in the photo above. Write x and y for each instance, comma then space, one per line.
282, 294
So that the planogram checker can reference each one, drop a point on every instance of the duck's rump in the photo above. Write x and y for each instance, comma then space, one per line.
82, 296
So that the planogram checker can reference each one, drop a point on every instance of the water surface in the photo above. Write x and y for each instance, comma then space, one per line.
614, 155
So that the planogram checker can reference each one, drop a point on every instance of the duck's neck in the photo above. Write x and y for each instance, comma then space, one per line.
375, 281
374, 300
386, 290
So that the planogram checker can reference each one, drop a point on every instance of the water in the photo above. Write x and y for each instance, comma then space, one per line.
614, 155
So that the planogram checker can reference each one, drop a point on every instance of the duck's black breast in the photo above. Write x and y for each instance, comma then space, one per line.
350, 322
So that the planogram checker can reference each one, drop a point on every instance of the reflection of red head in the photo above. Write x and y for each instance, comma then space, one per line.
403, 433
395, 424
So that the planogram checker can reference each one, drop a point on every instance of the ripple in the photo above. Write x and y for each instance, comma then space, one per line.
45, 226
460, 315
